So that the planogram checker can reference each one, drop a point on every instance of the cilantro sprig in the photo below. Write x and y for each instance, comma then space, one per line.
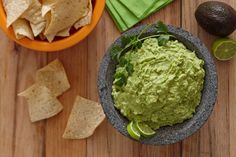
133, 43
121, 77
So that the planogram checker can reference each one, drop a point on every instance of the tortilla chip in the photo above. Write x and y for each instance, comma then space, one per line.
22, 29
14, 9
42, 104
46, 7
47, 18
86, 19
64, 33
50, 37
37, 28
53, 76
34, 16
85, 117
64, 14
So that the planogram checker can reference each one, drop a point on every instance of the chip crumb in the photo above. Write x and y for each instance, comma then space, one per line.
85, 117
41, 103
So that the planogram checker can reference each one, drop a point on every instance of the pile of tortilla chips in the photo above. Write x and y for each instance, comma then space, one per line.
51, 82
47, 18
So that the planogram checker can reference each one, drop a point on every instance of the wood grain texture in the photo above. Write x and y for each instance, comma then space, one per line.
29, 139
21, 138
8, 68
216, 137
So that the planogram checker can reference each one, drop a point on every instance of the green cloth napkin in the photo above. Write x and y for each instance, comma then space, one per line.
116, 17
158, 5
129, 18
139, 8
124, 14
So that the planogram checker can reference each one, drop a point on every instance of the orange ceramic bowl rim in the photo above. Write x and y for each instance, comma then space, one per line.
59, 44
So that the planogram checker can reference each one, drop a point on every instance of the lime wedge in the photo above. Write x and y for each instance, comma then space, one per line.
224, 49
145, 130
133, 131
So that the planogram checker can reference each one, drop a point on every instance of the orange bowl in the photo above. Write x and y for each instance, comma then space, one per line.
57, 45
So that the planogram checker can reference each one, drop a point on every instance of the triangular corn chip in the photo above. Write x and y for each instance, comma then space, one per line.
86, 19
22, 29
42, 104
53, 76
15, 8
34, 16
85, 117
64, 14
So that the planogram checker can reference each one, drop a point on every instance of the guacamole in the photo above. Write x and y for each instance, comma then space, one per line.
164, 87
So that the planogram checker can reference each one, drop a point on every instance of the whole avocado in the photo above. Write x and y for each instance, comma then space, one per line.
217, 18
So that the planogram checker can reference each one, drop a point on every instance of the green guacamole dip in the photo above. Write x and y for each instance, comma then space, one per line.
165, 86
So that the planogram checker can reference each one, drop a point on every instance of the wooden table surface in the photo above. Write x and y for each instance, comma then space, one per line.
21, 138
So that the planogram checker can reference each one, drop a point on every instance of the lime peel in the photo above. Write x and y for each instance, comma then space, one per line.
133, 131
224, 49
145, 130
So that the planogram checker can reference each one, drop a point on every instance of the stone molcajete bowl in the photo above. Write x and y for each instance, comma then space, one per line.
168, 134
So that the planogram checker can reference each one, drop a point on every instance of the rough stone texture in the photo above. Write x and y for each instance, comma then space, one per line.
169, 134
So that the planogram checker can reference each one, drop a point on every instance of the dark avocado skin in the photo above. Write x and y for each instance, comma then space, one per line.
217, 18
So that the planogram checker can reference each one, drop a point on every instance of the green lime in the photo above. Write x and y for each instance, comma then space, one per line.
145, 130
133, 131
224, 48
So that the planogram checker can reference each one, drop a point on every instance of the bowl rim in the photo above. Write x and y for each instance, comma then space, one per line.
59, 44
174, 135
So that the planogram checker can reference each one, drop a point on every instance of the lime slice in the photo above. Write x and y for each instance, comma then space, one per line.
145, 130
224, 49
133, 131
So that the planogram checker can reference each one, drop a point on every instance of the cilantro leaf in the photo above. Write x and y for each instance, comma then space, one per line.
163, 39
125, 40
123, 61
138, 44
129, 68
114, 52
161, 28
121, 79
